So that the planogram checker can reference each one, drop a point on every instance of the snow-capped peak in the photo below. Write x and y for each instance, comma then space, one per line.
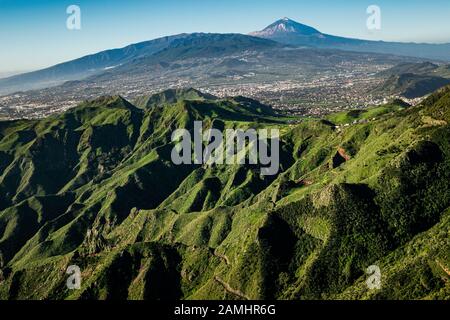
286, 26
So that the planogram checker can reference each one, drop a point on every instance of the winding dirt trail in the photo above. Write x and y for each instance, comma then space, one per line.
229, 289
447, 271
223, 257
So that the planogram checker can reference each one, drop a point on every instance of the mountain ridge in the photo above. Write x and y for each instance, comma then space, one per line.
372, 193
413, 80
298, 35
103, 61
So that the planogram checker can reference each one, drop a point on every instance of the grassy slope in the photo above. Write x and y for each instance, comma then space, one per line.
349, 117
413, 80
95, 187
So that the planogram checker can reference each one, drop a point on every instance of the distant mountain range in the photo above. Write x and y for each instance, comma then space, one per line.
284, 33
416, 68
410, 85
138, 55
291, 32
86, 66
413, 80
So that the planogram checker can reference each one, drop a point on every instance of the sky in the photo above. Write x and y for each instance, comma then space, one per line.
33, 33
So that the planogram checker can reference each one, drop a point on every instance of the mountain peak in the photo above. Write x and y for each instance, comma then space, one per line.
108, 101
286, 26
170, 96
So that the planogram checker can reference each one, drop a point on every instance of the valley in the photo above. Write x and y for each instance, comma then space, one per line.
290, 80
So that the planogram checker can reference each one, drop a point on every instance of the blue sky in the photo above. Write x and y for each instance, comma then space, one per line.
33, 33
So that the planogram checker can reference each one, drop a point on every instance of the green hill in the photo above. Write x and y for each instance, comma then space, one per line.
411, 85
95, 187
171, 96
413, 80
363, 115
409, 67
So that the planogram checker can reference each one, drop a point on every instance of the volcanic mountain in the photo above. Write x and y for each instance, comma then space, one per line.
291, 32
